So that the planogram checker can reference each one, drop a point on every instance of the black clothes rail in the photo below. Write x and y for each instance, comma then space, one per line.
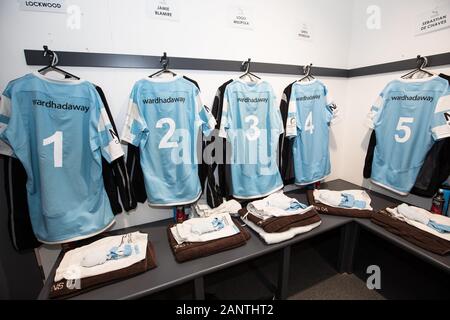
110, 60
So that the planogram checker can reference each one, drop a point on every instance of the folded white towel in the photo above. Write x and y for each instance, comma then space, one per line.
71, 267
203, 210
192, 230
334, 198
272, 238
415, 214
277, 205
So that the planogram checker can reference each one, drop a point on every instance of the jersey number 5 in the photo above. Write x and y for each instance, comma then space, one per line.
401, 126
57, 140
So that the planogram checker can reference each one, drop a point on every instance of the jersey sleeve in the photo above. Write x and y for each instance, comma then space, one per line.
135, 128
373, 118
204, 117
102, 134
11, 124
292, 122
5, 116
440, 126
333, 113
226, 119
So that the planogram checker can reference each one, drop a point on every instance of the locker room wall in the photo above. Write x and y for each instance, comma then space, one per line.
116, 26
395, 40
341, 40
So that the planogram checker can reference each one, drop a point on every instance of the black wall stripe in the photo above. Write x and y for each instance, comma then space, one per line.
109, 60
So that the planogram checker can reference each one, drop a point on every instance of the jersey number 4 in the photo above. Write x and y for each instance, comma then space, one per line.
401, 126
309, 126
57, 140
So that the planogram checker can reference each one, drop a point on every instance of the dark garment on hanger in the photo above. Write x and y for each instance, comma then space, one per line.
115, 175
285, 155
434, 171
215, 192
115, 180
134, 167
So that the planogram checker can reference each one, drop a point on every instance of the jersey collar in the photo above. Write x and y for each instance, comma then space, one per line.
159, 79
55, 80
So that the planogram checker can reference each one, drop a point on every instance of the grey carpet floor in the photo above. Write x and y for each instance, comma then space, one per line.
338, 287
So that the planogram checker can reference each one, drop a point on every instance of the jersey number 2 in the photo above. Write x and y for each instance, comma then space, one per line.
401, 126
165, 143
57, 140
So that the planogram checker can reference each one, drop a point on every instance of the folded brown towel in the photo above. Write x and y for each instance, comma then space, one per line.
282, 224
323, 208
65, 288
420, 238
193, 250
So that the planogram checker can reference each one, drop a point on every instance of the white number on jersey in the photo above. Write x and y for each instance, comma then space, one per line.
253, 132
57, 139
165, 143
309, 123
401, 126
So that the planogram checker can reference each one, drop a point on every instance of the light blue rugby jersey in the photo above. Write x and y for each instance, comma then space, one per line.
252, 124
164, 119
408, 116
59, 130
310, 112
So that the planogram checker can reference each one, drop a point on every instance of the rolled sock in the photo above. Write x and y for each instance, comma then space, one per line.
412, 214
93, 259
120, 252
347, 200
295, 205
442, 228
359, 204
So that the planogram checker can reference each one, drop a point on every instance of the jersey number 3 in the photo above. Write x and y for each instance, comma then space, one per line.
57, 140
401, 126
254, 132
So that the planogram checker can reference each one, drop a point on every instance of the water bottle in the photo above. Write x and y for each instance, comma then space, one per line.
437, 204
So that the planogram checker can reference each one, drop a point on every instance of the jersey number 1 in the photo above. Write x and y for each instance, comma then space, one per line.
57, 140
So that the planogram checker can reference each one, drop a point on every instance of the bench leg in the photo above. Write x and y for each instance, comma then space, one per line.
349, 238
283, 273
199, 288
